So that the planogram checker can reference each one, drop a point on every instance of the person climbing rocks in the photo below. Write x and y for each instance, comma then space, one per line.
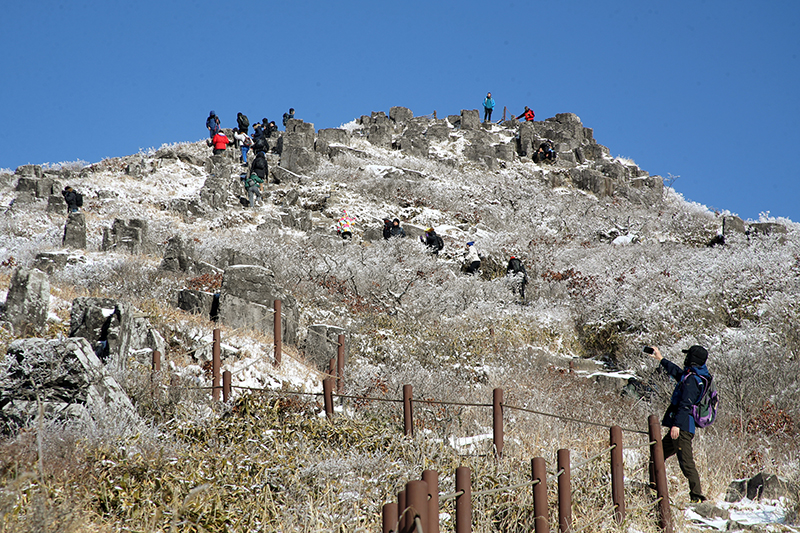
395, 230
472, 261
220, 141
545, 153
243, 122
345, 225
212, 123
678, 417
518, 276
244, 142
287, 116
73, 198
272, 127
260, 166
528, 114
488, 107
387, 228
432, 241
252, 184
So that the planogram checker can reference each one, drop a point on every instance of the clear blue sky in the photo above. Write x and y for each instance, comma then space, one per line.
705, 90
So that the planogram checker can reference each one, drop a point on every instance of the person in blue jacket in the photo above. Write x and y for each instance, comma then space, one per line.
488, 106
212, 123
678, 418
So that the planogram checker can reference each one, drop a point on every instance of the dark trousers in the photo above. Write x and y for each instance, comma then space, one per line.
487, 114
683, 448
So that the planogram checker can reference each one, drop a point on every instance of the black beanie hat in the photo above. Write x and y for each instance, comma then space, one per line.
695, 356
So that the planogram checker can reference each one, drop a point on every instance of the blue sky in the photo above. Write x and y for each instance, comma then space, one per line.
704, 90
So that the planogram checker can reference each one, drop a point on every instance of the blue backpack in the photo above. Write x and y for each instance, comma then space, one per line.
704, 411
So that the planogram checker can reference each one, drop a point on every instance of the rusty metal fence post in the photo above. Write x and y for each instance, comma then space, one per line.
156, 367
276, 329
662, 490
497, 421
226, 386
215, 365
402, 505
327, 396
431, 477
541, 519
617, 474
408, 416
564, 492
340, 363
389, 518
417, 502
463, 501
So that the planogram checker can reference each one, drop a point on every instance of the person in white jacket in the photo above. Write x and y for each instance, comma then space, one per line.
473, 260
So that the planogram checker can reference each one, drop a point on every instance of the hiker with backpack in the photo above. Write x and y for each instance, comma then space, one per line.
432, 241
346, 225
518, 276
528, 114
488, 107
73, 198
693, 405
260, 167
252, 184
472, 261
243, 122
212, 123
244, 142
288, 116
544, 153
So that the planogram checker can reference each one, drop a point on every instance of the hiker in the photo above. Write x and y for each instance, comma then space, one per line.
260, 166
212, 123
271, 128
432, 240
395, 230
518, 275
260, 143
387, 228
344, 227
252, 185
74, 199
488, 106
678, 418
258, 131
473, 260
287, 116
220, 141
528, 114
544, 153
244, 142
243, 122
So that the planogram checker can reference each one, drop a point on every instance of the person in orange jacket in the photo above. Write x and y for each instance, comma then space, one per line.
220, 142
528, 114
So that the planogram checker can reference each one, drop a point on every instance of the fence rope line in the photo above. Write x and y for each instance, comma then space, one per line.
296, 393
462, 404
630, 430
350, 396
336, 342
450, 496
593, 458
640, 445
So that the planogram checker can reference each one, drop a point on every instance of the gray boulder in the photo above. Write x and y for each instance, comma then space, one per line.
49, 262
322, 344
762, 485
56, 204
297, 218
75, 231
29, 171
400, 115
222, 186
125, 235
470, 119
67, 377
768, 228
380, 135
247, 298
439, 131
593, 181
731, 225
179, 255
198, 302
27, 301
328, 136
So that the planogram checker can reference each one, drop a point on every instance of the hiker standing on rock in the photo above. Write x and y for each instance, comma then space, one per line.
518, 275
345, 225
288, 116
212, 123
528, 114
220, 141
243, 122
472, 259
678, 418
74, 199
488, 107
432, 241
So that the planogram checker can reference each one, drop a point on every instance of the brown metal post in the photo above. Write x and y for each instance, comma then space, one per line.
417, 501
505, 109
156, 361
276, 328
464, 501
226, 385
402, 504
662, 491
434, 114
564, 492
327, 395
541, 519
215, 366
389, 518
340, 363
408, 417
497, 421
617, 474
431, 477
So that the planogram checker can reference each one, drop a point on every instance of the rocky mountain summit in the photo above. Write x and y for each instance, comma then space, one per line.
165, 248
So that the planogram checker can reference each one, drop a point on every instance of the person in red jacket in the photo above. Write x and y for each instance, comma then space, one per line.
220, 142
528, 114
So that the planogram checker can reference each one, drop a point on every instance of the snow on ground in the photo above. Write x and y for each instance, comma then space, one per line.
746, 513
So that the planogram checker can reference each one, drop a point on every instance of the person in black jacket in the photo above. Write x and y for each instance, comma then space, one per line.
519, 276
678, 418
73, 199
243, 122
260, 167
387, 228
288, 116
432, 241
395, 230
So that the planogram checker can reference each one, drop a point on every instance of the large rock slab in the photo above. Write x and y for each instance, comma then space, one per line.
27, 301
125, 235
66, 376
75, 231
470, 119
322, 345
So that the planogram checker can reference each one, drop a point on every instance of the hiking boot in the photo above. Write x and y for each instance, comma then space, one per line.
697, 498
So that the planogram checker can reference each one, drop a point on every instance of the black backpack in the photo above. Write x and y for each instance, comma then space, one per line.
78, 199
439, 242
